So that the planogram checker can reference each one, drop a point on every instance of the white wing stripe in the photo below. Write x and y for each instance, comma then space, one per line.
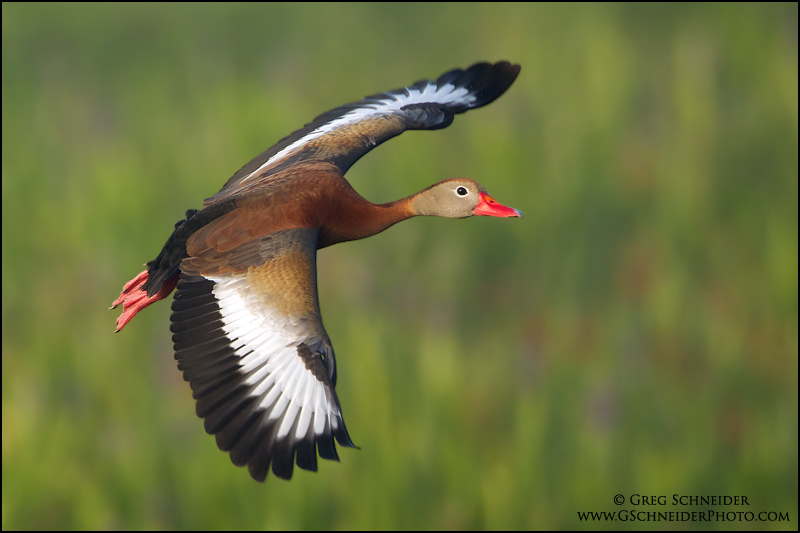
259, 336
305, 412
319, 413
289, 376
447, 94
269, 399
279, 408
288, 420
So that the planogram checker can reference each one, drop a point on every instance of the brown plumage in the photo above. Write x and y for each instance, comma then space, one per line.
246, 323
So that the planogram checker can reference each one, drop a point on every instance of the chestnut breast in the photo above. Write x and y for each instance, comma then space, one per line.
318, 198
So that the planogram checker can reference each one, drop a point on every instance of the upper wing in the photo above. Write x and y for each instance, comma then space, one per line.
249, 339
341, 136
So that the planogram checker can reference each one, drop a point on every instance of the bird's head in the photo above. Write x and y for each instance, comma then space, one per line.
459, 198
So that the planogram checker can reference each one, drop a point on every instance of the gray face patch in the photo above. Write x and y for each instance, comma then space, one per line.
454, 198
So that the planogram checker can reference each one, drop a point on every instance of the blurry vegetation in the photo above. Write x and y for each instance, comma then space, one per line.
636, 332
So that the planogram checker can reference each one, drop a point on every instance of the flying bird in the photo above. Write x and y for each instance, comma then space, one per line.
246, 323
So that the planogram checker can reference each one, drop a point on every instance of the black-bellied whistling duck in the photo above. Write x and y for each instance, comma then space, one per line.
246, 324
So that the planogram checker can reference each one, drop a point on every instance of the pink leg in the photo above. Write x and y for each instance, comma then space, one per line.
134, 299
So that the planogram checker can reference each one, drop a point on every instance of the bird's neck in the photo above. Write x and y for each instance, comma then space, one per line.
363, 219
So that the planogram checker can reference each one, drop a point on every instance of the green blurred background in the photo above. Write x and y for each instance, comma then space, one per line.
636, 332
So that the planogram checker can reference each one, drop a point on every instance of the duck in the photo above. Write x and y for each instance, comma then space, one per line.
246, 324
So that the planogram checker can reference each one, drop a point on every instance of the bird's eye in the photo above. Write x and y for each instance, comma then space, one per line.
462, 191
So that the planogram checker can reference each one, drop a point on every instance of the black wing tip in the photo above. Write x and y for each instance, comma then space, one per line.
342, 436
484, 83
503, 64
488, 81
